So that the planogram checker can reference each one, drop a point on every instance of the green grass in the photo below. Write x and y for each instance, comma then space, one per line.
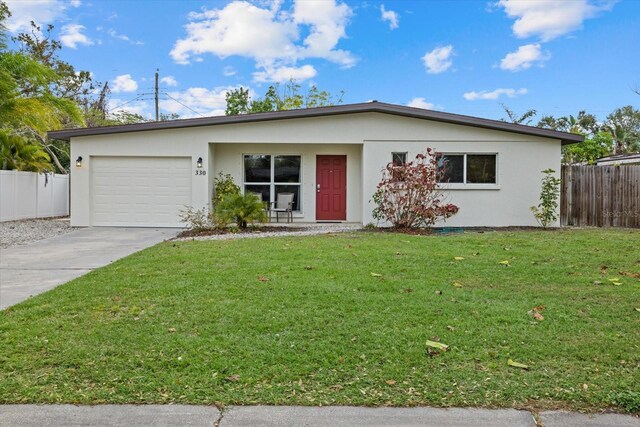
302, 320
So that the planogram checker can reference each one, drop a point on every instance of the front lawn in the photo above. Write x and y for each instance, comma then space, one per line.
342, 320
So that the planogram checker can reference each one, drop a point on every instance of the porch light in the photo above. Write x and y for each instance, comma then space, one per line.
199, 162
79, 162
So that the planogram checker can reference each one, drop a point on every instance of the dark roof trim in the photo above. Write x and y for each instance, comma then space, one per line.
367, 107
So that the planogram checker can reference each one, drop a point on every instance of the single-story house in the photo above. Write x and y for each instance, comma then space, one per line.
331, 158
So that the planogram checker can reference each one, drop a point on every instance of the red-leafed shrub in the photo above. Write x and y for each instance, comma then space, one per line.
409, 196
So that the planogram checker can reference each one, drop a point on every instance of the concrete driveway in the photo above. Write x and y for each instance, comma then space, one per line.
31, 269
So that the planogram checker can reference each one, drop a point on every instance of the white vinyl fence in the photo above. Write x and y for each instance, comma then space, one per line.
32, 195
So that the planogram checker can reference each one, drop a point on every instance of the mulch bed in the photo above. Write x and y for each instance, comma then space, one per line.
248, 230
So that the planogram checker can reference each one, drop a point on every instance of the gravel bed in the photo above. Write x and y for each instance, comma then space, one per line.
309, 230
13, 233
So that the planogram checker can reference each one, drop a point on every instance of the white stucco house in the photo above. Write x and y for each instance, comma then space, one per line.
331, 158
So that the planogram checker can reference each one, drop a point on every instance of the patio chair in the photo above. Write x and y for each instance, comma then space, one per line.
283, 203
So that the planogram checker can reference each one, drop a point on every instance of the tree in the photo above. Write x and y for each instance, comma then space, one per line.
583, 123
589, 150
30, 106
523, 119
276, 99
624, 125
408, 196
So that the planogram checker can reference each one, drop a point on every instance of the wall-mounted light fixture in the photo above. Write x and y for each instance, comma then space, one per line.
79, 162
199, 162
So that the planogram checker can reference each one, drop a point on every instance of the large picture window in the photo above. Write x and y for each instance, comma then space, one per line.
468, 168
272, 174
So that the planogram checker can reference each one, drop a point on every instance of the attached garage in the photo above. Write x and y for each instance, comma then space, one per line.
139, 191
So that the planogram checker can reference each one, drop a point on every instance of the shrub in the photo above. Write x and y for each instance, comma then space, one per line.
409, 196
223, 186
198, 219
547, 211
240, 209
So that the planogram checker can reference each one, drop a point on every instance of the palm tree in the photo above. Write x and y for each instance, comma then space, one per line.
523, 119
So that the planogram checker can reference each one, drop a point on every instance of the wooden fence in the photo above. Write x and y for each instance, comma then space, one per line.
600, 196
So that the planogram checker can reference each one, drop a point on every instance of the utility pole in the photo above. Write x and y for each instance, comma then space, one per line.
157, 116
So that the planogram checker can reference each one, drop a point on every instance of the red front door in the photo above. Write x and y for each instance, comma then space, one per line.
331, 188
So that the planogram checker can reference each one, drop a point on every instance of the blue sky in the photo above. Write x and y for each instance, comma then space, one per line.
459, 56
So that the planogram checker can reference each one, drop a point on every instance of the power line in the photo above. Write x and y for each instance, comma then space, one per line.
185, 106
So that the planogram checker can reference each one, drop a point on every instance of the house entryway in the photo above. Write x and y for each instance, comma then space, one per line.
331, 188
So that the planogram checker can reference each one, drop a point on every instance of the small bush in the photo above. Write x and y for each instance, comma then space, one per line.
198, 219
409, 196
547, 211
224, 185
240, 209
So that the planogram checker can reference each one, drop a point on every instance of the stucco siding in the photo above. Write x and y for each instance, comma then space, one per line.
228, 159
507, 203
366, 138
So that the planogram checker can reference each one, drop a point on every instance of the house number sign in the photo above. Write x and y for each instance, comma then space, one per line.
201, 172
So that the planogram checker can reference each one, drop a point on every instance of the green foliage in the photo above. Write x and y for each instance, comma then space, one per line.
624, 125
408, 196
583, 123
224, 186
589, 150
277, 99
240, 209
627, 399
32, 99
547, 211
513, 117
18, 153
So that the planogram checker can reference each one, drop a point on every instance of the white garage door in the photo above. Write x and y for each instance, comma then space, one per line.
139, 191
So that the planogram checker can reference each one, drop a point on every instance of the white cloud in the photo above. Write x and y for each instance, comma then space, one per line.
196, 102
169, 81
39, 11
438, 60
123, 37
549, 19
283, 74
75, 3
389, 15
327, 21
229, 71
124, 83
268, 35
71, 36
495, 94
421, 103
524, 58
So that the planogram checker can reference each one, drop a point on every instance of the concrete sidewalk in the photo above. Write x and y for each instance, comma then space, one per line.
34, 268
268, 416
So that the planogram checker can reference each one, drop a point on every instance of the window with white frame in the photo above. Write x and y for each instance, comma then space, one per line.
269, 175
468, 168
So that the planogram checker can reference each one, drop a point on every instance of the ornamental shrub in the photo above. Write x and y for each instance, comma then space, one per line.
240, 209
409, 195
547, 211
223, 186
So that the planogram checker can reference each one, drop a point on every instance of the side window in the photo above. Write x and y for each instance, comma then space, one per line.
452, 168
481, 168
398, 159
468, 168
